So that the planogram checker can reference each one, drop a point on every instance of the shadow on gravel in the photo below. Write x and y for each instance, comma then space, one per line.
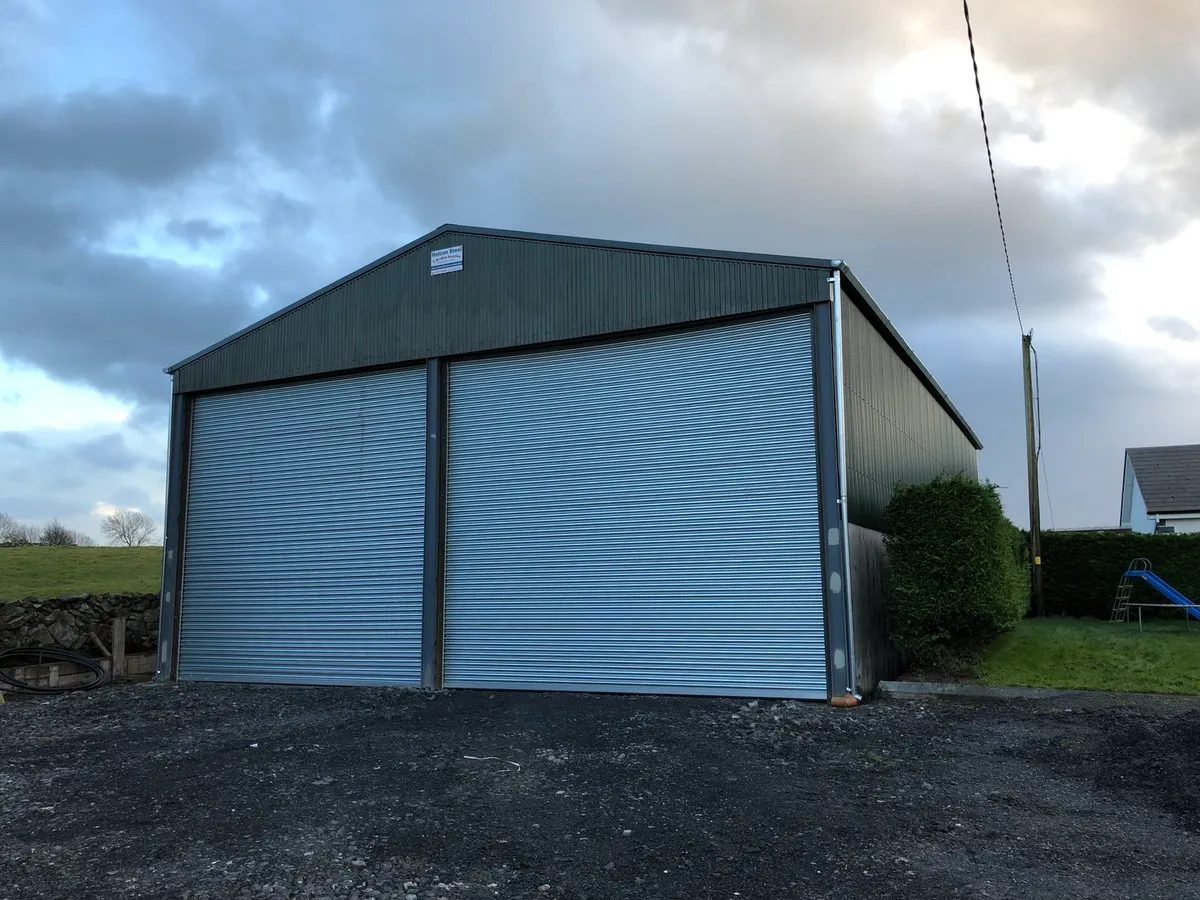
1158, 759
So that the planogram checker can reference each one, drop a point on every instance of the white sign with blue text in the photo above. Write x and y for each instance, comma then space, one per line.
448, 260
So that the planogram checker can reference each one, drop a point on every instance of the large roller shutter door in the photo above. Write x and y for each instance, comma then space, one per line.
304, 533
637, 516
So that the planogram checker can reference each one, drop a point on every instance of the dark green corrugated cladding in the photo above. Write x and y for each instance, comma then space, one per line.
515, 293
900, 429
514, 290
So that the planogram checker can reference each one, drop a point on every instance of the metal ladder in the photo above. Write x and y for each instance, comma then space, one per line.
1120, 610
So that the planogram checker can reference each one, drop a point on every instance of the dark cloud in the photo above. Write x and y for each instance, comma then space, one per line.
1175, 326
108, 452
196, 231
84, 313
112, 321
133, 135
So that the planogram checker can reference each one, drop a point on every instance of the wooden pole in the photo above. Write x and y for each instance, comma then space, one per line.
1035, 505
118, 647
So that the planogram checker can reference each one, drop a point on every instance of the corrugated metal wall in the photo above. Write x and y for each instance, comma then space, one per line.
897, 432
511, 292
638, 516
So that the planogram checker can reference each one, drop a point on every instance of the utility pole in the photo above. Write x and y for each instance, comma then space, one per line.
1035, 505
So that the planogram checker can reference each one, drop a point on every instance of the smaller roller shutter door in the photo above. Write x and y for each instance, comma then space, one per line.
304, 533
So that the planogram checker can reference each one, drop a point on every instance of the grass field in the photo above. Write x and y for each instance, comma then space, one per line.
63, 571
1095, 655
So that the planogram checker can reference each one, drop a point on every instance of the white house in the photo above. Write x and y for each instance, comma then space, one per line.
1161, 492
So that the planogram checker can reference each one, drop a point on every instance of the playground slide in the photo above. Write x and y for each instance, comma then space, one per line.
1166, 590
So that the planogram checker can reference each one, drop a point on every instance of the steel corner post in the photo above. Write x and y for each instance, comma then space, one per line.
828, 379
172, 569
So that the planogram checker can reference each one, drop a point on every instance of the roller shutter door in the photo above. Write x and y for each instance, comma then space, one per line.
304, 533
638, 516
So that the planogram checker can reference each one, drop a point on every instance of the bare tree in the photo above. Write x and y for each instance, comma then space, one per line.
83, 540
10, 531
14, 534
56, 534
129, 528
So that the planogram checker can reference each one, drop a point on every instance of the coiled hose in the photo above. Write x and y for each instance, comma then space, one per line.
36, 656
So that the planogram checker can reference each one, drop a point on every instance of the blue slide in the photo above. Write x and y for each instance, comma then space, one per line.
1166, 590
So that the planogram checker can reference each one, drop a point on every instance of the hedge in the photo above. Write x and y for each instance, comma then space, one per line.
957, 575
1080, 569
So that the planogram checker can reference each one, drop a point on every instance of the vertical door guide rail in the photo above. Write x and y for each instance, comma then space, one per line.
433, 590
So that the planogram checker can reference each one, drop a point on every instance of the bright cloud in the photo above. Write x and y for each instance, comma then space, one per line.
1083, 145
32, 401
103, 510
1149, 290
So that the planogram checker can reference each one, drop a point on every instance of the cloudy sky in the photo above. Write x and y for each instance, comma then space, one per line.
172, 170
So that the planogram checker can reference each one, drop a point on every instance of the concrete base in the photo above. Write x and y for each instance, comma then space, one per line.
920, 690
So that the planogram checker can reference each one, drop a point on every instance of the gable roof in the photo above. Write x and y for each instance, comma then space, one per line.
1169, 477
450, 229
521, 289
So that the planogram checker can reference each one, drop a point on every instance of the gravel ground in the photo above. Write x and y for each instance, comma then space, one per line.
232, 791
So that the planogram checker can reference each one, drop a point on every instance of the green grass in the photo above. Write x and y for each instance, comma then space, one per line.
1095, 655
63, 571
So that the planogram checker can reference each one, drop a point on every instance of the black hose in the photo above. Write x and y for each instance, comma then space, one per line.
35, 656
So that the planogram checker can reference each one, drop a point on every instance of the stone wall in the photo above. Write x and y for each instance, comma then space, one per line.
67, 621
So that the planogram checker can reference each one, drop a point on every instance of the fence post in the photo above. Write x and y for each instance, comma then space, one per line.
118, 647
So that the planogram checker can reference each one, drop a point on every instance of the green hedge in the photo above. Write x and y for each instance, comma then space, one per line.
1080, 569
957, 574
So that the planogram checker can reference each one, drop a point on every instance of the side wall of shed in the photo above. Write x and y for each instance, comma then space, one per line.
876, 657
897, 432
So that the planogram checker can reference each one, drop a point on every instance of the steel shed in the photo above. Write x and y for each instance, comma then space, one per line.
507, 460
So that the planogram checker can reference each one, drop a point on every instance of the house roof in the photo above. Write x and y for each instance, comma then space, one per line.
1169, 477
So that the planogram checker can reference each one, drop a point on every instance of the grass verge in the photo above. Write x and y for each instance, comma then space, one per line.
63, 571
1093, 655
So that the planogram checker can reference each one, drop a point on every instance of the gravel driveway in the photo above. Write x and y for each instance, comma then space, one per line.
230, 791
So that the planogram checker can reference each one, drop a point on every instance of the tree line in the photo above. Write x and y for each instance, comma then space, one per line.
123, 528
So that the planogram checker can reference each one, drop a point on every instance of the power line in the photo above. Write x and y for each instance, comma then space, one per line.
987, 143
1012, 286
1046, 478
